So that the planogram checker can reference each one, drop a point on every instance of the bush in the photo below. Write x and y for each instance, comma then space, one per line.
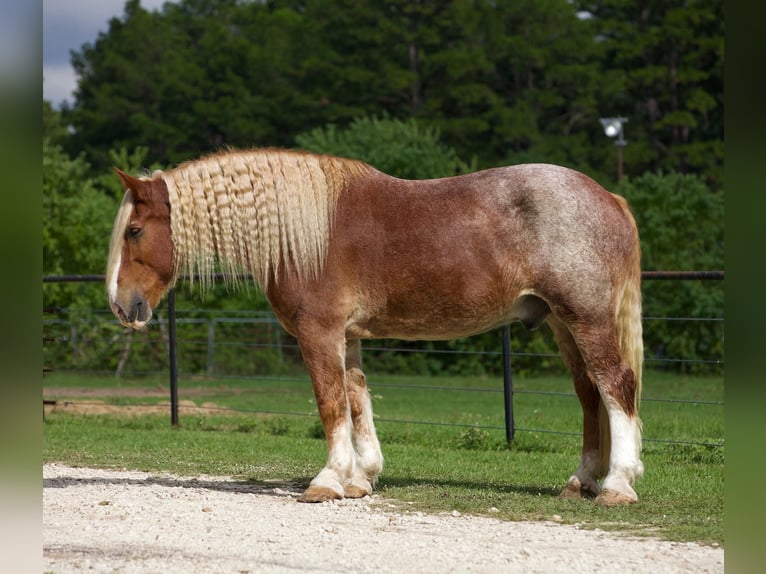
403, 149
681, 226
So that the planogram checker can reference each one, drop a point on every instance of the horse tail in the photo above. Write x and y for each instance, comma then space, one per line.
629, 330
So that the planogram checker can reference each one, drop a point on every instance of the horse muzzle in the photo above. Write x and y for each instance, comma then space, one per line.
136, 314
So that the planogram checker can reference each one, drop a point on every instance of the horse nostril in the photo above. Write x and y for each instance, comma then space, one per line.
118, 312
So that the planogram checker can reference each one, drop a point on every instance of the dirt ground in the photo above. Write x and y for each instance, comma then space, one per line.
91, 401
99, 407
135, 522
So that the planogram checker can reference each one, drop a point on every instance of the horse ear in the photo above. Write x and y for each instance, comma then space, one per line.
127, 181
131, 183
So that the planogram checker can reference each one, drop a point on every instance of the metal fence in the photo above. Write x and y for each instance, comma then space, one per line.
274, 339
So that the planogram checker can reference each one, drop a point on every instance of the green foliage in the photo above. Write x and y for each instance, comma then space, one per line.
278, 426
533, 352
473, 438
129, 85
681, 218
54, 130
505, 82
76, 224
410, 88
667, 64
315, 430
515, 82
682, 228
78, 211
247, 344
246, 426
403, 149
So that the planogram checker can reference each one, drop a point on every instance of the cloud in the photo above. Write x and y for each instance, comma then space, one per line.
59, 83
89, 14
68, 24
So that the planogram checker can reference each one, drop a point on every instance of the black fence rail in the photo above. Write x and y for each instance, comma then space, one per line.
273, 339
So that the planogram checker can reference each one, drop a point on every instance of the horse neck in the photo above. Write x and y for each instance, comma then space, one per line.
252, 211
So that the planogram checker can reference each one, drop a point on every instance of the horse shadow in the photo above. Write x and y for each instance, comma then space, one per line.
278, 488
291, 487
491, 487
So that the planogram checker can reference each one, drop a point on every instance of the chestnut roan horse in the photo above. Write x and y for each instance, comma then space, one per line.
344, 252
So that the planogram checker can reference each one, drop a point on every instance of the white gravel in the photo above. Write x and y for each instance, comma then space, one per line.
135, 522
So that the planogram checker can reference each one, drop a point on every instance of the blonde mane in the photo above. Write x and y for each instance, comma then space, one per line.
250, 211
121, 221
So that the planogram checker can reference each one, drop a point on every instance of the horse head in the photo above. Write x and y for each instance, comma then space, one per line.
140, 268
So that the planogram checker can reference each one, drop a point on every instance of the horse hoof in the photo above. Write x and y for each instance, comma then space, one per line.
609, 497
352, 491
576, 491
572, 492
318, 494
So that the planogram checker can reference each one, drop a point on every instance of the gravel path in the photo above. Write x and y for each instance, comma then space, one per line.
130, 522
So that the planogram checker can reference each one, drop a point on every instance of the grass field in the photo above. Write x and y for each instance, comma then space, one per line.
445, 447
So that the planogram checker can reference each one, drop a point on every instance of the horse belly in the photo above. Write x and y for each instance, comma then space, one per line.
448, 311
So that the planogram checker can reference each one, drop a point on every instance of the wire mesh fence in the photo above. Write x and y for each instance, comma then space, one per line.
217, 344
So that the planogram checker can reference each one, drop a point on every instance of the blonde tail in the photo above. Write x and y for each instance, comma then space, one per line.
629, 333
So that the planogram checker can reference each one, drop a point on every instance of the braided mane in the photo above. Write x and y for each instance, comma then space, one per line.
251, 210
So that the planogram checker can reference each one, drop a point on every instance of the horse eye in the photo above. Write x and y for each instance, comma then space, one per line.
134, 232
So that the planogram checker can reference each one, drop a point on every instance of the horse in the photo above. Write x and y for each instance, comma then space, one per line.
344, 252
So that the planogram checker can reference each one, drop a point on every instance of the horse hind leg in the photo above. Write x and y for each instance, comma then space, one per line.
618, 389
369, 458
584, 482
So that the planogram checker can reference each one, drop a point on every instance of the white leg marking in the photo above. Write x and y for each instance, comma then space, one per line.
340, 459
625, 466
369, 458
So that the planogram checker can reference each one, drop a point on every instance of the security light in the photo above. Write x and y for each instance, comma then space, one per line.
613, 129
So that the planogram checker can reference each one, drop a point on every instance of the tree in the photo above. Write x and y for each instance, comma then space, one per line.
412, 87
132, 84
77, 221
506, 82
54, 130
515, 82
667, 58
195, 77
681, 227
403, 149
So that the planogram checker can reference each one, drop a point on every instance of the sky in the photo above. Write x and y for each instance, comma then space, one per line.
67, 25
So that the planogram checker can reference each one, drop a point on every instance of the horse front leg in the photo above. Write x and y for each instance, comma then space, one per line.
324, 356
369, 458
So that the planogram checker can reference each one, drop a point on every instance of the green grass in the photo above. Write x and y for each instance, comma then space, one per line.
430, 467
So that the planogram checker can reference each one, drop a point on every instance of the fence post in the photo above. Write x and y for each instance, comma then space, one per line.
508, 384
172, 357
211, 346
